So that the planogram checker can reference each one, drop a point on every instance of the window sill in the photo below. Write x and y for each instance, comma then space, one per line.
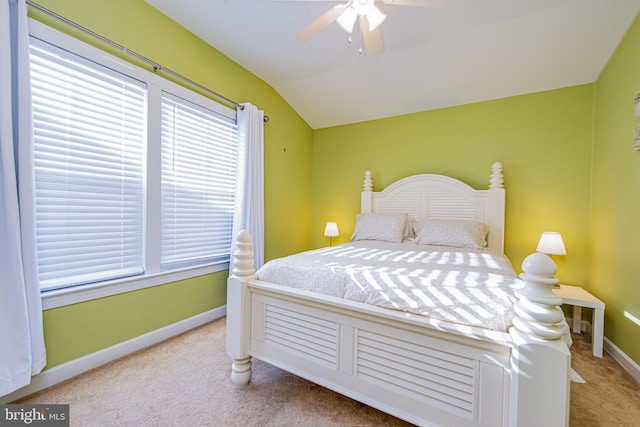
62, 297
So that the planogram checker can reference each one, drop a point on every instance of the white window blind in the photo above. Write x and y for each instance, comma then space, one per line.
199, 154
89, 127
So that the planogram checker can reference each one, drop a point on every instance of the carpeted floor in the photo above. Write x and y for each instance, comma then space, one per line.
185, 382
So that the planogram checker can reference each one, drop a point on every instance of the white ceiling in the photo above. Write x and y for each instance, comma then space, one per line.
456, 52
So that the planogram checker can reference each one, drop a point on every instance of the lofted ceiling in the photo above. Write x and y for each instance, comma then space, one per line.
451, 53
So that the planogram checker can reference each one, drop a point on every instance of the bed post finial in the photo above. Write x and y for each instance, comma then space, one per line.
366, 201
497, 178
368, 182
242, 262
537, 312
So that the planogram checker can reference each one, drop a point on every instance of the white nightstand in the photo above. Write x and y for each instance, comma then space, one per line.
578, 298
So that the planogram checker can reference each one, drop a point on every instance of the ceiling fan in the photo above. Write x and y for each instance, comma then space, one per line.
366, 13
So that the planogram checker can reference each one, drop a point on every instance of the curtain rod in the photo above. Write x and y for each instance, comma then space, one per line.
156, 67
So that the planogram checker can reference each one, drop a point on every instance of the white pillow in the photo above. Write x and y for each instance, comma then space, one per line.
450, 232
385, 227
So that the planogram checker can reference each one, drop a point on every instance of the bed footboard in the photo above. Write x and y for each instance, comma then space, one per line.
419, 370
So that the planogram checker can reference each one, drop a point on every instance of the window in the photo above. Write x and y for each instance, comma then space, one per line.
135, 175
89, 137
198, 182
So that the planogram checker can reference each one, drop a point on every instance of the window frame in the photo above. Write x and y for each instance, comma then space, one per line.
156, 84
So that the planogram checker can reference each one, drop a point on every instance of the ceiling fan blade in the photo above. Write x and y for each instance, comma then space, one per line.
321, 23
373, 42
415, 3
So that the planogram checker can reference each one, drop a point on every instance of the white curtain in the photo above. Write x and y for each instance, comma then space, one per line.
22, 352
249, 209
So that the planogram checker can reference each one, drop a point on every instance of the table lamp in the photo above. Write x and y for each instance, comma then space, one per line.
551, 243
331, 231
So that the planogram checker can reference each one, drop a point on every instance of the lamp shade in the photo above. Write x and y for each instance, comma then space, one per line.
551, 243
347, 19
375, 18
331, 230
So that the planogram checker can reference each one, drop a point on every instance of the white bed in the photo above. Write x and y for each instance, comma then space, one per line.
426, 370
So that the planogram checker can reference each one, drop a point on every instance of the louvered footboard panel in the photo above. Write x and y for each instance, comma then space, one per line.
307, 336
410, 371
421, 372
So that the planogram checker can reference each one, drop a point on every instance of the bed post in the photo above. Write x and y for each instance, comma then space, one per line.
366, 204
239, 309
540, 351
496, 206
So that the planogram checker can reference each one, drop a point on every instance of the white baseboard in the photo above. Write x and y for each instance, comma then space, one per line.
621, 357
83, 364
618, 355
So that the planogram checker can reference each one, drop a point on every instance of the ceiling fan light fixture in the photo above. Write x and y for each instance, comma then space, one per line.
375, 17
347, 19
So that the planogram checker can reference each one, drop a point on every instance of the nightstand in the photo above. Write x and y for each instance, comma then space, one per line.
578, 298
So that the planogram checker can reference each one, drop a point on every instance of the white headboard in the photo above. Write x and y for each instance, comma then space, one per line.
442, 197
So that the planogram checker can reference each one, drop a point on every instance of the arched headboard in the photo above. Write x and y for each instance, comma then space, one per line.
442, 197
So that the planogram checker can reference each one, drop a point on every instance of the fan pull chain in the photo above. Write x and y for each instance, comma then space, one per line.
350, 40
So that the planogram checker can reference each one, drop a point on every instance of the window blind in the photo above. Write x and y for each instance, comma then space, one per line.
199, 155
89, 136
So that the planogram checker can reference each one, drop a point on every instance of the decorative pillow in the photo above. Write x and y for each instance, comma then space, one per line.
386, 227
449, 232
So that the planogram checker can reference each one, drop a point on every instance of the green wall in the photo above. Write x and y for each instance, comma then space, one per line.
543, 141
80, 329
615, 230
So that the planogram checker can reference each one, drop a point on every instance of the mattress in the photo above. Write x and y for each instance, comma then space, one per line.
463, 286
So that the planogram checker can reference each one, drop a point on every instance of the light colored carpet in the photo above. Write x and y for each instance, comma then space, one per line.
185, 382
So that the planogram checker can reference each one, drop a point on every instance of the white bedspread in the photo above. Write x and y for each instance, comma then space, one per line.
465, 286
